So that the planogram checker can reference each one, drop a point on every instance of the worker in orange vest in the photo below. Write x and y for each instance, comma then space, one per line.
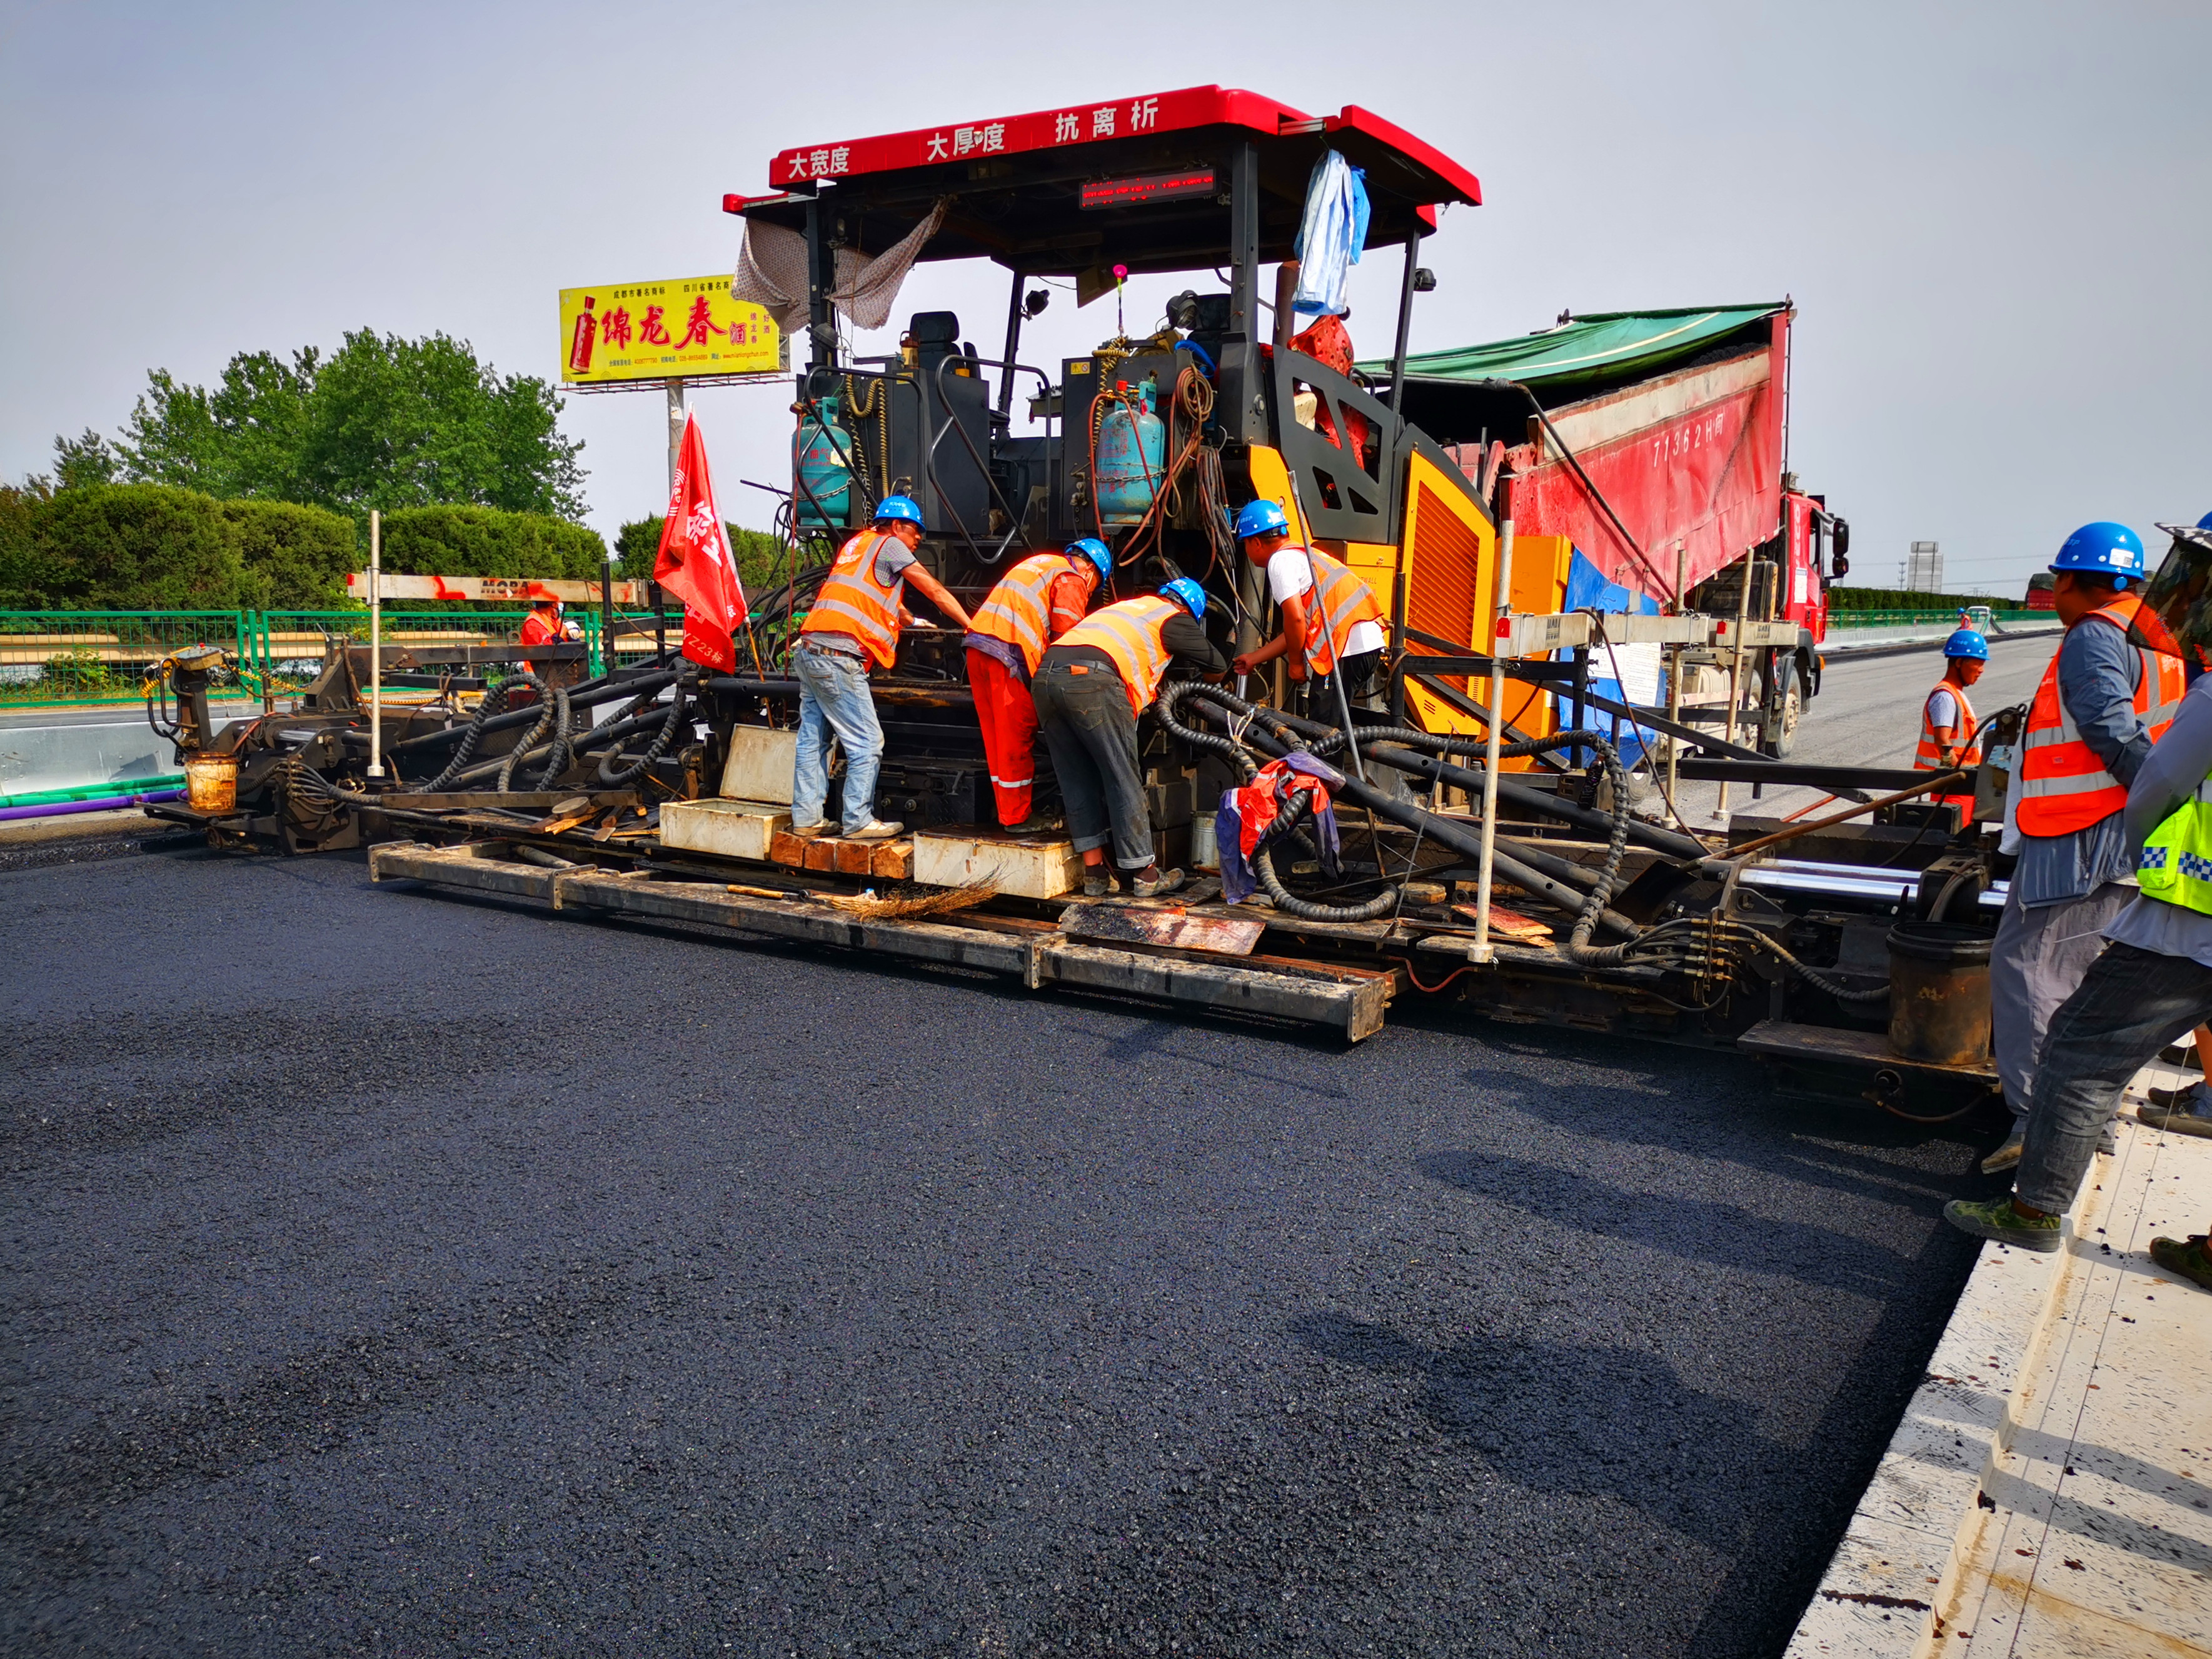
1949, 734
1033, 605
2102, 704
854, 624
1331, 623
545, 625
1092, 686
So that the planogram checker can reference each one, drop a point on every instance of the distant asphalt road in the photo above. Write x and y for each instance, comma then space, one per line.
390, 1274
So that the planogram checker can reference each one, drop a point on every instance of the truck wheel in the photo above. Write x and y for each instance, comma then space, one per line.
1779, 735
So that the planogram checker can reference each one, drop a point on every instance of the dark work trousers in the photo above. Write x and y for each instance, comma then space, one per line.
2129, 1005
1358, 683
1083, 712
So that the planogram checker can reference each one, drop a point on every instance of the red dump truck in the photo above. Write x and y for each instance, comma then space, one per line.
1654, 445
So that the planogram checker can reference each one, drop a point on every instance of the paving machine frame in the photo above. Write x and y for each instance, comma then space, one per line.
1568, 900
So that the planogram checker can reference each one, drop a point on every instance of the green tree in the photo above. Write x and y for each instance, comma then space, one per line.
82, 462
382, 423
137, 547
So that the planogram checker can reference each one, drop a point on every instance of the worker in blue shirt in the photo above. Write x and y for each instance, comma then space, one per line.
2102, 704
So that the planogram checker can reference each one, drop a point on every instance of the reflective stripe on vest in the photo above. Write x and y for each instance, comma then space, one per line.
1344, 599
2176, 866
1019, 609
2064, 785
852, 601
1964, 735
1129, 634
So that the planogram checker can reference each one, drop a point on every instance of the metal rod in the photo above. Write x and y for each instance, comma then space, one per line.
1502, 608
1013, 348
1675, 689
1735, 671
1405, 329
375, 644
1934, 780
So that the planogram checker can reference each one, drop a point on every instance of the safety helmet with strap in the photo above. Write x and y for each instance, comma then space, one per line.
1968, 643
1262, 517
2104, 548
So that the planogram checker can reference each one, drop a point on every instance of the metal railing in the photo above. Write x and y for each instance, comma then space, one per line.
1913, 618
77, 659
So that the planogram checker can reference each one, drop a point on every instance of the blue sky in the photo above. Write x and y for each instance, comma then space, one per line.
1994, 218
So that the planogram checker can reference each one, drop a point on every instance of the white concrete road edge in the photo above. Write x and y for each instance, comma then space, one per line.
1914, 1577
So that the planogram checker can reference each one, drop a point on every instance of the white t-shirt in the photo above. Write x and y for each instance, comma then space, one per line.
1289, 574
1943, 710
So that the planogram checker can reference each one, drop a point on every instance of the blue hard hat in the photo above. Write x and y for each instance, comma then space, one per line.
1968, 644
1188, 594
1095, 550
2112, 550
2205, 523
901, 508
1260, 518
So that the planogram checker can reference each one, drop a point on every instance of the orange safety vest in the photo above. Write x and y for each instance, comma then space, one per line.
852, 601
1019, 609
2064, 785
1337, 599
1928, 757
1129, 634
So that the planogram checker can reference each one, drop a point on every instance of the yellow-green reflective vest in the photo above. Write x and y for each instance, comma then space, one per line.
2177, 858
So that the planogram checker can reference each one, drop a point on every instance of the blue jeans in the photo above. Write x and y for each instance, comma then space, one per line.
2130, 1004
834, 697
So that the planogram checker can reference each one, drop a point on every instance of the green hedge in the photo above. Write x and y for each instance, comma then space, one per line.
1900, 598
154, 547
762, 558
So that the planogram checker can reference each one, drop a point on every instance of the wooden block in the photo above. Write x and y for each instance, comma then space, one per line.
822, 853
893, 860
853, 857
735, 829
1039, 869
784, 848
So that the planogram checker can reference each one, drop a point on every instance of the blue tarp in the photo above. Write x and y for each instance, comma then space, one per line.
1591, 589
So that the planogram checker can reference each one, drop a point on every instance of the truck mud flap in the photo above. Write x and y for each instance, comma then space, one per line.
1353, 1002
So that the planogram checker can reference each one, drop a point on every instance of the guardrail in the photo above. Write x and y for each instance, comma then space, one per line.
79, 658
1914, 619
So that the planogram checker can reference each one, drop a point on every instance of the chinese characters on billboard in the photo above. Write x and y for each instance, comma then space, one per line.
685, 326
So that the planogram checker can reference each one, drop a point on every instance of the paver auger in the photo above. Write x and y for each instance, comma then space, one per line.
1507, 828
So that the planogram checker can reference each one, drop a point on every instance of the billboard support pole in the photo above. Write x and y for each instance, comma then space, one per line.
677, 409
375, 644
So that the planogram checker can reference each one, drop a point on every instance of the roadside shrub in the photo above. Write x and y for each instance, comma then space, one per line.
135, 547
302, 552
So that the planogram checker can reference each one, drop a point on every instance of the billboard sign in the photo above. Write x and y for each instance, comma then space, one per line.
684, 327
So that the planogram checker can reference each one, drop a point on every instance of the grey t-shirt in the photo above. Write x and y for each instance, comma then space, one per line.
2171, 772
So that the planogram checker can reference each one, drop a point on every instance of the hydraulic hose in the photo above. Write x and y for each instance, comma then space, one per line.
598, 737
492, 703
1445, 832
611, 779
587, 695
554, 719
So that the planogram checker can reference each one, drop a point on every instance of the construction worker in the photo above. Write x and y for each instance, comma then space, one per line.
2153, 983
545, 625
2102, 704
1033, 605
1948, 732
1343, 627
854, 624
1091, 685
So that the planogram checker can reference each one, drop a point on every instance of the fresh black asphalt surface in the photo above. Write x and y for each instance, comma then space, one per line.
396, 1273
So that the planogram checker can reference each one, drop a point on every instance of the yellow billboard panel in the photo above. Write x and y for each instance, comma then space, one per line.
684, 327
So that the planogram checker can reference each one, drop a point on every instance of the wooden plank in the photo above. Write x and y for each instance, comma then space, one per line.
458, 867
822, 854
893, 860
533, 800
787, 849
1357, 1010
853, 858
1232, 936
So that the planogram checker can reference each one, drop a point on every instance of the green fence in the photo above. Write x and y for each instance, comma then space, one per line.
76, 658
1919, 618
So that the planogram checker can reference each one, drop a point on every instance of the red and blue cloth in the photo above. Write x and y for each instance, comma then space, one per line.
1249, 814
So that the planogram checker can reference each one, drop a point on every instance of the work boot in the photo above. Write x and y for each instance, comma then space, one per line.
1036, 825
2007, 1155
1996, 1219
2186, 1111
1096, 883
2190, 1257
1166, 882
877, 830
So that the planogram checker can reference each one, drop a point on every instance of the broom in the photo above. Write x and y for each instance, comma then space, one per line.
942, 902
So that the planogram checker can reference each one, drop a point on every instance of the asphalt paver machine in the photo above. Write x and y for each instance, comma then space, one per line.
1504, 844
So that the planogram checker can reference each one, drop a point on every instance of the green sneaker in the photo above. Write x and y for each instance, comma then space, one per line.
1996, 1218
2190, 1257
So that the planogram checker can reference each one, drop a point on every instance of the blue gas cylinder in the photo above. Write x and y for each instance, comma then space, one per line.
1133, 449
822, 498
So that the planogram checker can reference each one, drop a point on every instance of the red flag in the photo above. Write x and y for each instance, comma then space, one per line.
695, 562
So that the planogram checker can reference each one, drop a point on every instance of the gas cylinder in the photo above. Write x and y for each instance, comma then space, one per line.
1132, 448
823, 496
